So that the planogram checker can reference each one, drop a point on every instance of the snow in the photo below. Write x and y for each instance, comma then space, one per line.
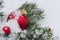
52, 10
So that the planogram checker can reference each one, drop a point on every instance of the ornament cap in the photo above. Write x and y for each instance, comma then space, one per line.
24, 12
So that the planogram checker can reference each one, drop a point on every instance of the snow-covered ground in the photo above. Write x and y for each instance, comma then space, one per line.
51, 7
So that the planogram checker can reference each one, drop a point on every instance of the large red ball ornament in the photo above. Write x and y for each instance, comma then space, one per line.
11, 16
6, 30
23, 22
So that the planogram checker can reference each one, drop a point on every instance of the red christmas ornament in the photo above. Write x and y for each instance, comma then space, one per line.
23, 22
11, 16
6, 30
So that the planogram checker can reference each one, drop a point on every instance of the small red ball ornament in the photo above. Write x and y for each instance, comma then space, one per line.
6, 30
11, 16
23, 22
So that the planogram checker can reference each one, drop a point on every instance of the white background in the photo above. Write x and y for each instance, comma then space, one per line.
51, 7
